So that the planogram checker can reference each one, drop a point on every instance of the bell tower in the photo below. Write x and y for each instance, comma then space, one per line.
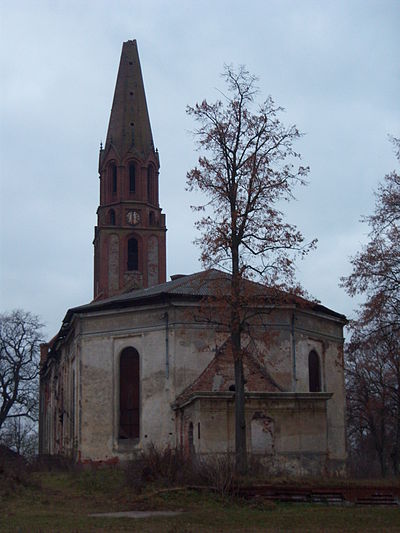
129, 242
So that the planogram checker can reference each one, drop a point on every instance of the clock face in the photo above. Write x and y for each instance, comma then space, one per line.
133, 217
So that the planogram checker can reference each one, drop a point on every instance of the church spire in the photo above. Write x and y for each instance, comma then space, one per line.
129, 243
129, 127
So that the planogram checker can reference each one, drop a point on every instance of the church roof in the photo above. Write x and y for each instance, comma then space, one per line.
193, 287
129, 127
199, 285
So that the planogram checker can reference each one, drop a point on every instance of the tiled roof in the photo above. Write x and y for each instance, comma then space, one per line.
194, 286
197, 285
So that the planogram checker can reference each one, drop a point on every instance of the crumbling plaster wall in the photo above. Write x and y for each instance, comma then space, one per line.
290, 434
325, 337
174, 348
59, 402
166, 368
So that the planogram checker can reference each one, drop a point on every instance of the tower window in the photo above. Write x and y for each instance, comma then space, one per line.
132, 177
150, 184
113, 169
129, 416
133, 254
111, 217
151, 218
314, 374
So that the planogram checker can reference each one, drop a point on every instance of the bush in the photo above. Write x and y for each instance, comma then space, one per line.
166, 466
169, 467
218, 472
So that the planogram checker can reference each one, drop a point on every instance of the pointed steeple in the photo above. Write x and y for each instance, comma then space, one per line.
129, 243
129, 127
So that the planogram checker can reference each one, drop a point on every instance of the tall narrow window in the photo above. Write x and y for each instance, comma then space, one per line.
190, 438
113, 178
132, 177
151, 218
111, 217
314, 374
129, 418
150, 184
133, 254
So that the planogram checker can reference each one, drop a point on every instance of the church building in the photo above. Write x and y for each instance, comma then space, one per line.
138, 365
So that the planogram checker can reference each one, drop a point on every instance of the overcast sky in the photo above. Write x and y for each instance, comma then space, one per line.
333, 65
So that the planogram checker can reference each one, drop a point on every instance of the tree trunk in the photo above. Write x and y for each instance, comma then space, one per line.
240, 419
396, 446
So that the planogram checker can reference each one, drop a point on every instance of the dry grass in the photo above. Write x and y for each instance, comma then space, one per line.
62, 501
57, 497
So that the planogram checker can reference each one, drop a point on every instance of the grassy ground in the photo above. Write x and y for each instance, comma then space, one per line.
63, 501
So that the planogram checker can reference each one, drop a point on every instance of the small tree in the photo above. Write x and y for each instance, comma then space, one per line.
246, 169
20, 337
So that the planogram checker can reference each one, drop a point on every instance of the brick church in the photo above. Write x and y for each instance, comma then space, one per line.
135, 366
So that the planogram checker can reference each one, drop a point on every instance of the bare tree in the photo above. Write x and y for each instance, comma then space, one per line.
21, 435
373, 354
246, 168
373, 396
376, 268
20, 337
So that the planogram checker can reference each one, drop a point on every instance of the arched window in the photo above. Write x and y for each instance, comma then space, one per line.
314, 374
132, 177
133, 254
113, 176
151, 218
129, 419
111, 217
150, 183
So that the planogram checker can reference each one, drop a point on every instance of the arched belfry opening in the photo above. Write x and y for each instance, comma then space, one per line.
133, 254
132, 177
129, 394
113, 177
314, 372
150, 185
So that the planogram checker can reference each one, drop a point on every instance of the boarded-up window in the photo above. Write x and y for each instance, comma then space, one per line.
262, 434
133, 254
129, 394
314, 372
